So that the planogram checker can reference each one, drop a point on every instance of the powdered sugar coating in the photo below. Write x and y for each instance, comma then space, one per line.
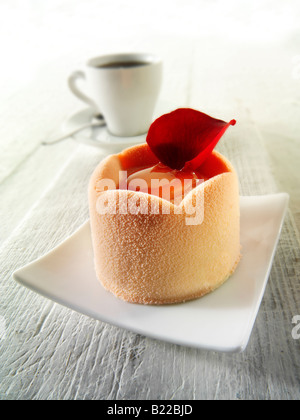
159, 258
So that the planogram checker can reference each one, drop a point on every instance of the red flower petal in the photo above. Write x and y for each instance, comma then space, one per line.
185, 136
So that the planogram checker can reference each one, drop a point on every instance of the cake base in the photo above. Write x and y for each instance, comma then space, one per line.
200, 293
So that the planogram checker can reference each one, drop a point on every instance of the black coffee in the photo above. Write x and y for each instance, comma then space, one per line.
122, 64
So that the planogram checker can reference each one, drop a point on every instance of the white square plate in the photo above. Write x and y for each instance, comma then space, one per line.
220, 321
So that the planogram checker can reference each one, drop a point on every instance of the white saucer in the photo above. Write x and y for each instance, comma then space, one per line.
220, 321
98, 136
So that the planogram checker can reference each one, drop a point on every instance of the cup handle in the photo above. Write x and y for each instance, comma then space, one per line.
72, 82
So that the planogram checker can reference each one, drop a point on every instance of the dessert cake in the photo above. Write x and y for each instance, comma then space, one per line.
164, 215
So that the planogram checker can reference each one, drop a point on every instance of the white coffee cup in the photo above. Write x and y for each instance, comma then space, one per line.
122, 87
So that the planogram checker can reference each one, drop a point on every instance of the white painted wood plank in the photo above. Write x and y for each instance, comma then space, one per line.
28, 182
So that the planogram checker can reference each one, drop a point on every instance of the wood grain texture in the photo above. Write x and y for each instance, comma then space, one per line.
50, 352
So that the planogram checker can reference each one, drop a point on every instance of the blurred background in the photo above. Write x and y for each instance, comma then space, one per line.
247, 55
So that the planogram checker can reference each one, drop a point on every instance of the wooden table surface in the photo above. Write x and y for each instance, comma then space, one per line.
228, 59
